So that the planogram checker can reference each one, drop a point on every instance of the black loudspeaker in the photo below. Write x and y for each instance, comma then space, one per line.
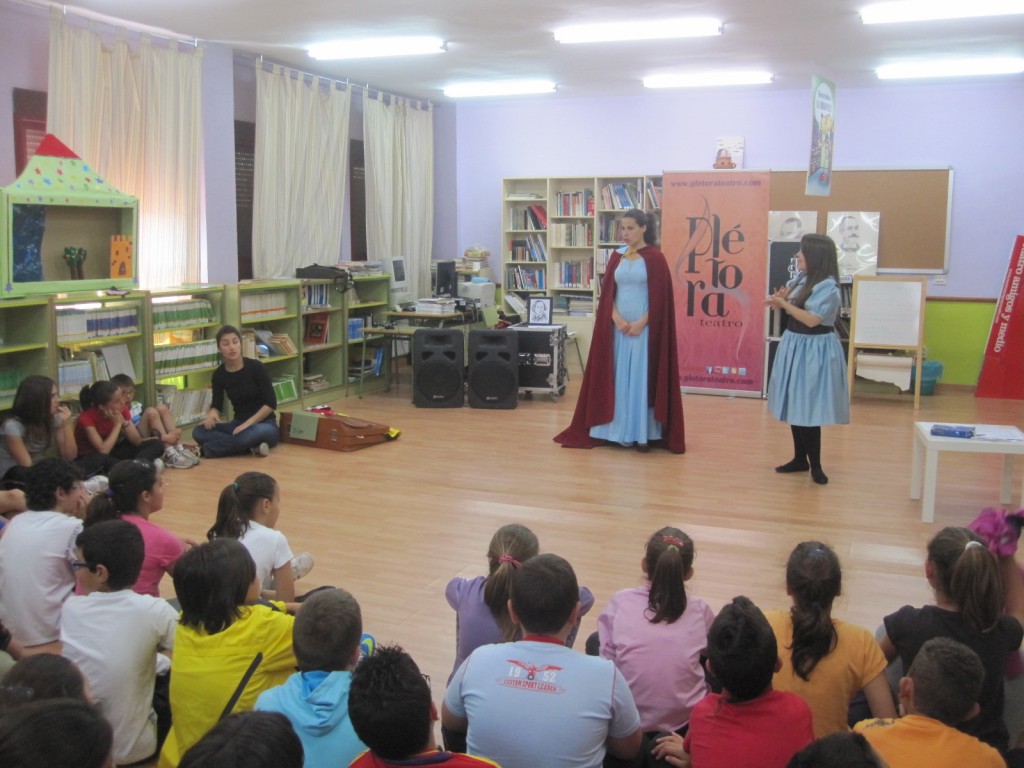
493, 369
437, 366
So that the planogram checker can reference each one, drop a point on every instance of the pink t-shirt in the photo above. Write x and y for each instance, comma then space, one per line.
163, 549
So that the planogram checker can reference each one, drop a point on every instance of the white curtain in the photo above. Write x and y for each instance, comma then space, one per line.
399, 148
300, 169
136, 117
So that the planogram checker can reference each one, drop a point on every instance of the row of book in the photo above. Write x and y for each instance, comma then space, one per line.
365, 367
255, 306
80, 324
529, 248
187, 405
10, 378
575, 274
574, 306
72, 375
653, 194
619, 197
109, 361
178, 314
279, 343
356, 325
525, 278
315, 296
181, 358
529, 217
574, 203
577, 235
362, 268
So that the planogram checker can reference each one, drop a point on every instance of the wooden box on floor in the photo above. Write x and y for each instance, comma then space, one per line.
332, 433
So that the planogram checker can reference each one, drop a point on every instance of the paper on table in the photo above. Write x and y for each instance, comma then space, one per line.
999, 432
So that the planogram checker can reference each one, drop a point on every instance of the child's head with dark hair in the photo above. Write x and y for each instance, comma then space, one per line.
56, 733
100, 393
389, 704
511, 546
544, 594
34, 404
943, 682
327, 632
962, 569
213, 582
668, 563
128, 481
124, 381
38, 677
813, 579
113, 546
252, 495
839, 750
247, 740
50, 481
742, 650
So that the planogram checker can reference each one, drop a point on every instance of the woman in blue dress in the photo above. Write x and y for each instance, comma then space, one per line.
808, 386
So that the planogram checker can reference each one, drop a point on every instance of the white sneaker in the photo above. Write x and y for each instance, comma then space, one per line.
159, 464
96, 484
186, 453
302, 564
261, 450
176, 459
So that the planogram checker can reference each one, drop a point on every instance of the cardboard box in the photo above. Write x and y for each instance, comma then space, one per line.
331, 433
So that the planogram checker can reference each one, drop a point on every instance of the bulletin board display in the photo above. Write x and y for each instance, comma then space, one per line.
914, 207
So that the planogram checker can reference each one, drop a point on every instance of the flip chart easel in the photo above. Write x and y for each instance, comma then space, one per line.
888, 313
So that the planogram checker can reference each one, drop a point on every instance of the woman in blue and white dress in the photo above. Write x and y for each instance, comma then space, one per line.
808, 386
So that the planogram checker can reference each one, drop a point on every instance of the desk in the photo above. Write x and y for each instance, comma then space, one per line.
396, 336
427, 318
926, 454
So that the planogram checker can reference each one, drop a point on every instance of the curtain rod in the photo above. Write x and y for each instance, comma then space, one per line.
111, 21
261, 59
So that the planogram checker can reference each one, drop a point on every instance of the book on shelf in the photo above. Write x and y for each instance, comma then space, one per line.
117, 359
524, 196
317, 327
314, 382
516, 303
187, 405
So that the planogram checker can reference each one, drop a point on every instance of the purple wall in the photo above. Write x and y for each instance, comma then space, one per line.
975, 129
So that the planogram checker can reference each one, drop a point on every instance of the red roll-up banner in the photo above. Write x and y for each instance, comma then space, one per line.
1002, 372
715, 237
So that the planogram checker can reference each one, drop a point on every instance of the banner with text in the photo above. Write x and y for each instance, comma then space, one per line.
1002, 372
715, 237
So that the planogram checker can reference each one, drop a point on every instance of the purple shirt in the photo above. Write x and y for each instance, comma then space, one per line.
475, 625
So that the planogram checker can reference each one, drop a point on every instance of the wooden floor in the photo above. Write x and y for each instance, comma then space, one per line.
393, 523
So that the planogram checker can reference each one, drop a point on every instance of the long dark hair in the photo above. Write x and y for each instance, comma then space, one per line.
98, 393
32, 406
822, 261
668, 558
128, 480
814, 579
643, 220
968, 575
238, 501
511, 545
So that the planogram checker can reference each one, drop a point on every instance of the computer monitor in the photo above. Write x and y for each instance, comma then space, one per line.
445, 279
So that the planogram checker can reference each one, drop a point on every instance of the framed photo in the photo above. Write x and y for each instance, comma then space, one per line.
540, 310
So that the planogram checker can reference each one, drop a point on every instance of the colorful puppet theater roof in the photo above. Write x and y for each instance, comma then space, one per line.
57, 176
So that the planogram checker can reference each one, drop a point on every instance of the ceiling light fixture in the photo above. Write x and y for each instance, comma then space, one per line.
638, 30
929, 10
706, 79
371, 48
498, 88
951, 68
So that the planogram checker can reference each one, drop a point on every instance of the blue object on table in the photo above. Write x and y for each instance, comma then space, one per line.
952, 430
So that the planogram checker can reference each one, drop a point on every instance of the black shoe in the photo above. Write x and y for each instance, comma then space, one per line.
796, 465
818, 476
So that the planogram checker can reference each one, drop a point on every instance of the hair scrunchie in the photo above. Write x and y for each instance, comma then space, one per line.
509, 559
673, 541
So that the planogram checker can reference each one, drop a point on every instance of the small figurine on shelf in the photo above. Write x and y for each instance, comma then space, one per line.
74, 257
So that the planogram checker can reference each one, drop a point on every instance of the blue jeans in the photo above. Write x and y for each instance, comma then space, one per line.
220, 441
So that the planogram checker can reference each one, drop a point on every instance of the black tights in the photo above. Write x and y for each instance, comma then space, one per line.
807, 444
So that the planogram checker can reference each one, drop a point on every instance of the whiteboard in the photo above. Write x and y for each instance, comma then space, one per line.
888, 311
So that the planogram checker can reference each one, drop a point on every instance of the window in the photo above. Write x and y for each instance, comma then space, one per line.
29, 125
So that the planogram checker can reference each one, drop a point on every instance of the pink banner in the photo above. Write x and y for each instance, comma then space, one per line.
1002, 373
715, 237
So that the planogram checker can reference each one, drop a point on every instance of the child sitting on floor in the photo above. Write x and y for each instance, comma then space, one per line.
156, 421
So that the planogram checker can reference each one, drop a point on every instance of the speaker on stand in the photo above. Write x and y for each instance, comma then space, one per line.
493, 368
437, 368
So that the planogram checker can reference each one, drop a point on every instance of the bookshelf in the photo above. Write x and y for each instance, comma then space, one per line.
525, 239
322, 341
183, 324
26, 331
98, 336
366, 361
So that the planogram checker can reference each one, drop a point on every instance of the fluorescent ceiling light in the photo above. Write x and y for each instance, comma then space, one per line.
951, 68
638, 30
499, 88
704, 79
370, 48
928, 10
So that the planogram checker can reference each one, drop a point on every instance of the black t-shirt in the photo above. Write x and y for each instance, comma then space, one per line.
910, 628
248, 389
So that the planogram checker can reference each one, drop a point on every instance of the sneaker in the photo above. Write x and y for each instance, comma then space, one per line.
186, 453
261, 450
96, 484
177, 459
191, 448
367, 646
302, 564
159, 464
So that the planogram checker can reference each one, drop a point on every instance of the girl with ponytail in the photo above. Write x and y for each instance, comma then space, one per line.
971, 585
825, 661
656, 634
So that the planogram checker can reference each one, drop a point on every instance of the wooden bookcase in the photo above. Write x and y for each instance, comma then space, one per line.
323, 340
26, 343
366, 361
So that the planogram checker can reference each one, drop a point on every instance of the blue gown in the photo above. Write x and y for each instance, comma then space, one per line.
808, 387
634, 420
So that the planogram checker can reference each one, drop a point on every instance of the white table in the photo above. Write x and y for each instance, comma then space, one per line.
926, 454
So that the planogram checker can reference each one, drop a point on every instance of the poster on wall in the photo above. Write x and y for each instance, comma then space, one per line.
714, 235
856, 236
1002, 372
823, 133
785, 228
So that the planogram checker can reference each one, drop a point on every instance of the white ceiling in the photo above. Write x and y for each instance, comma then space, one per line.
794, 39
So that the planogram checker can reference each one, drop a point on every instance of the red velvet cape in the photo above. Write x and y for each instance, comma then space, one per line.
596, 403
